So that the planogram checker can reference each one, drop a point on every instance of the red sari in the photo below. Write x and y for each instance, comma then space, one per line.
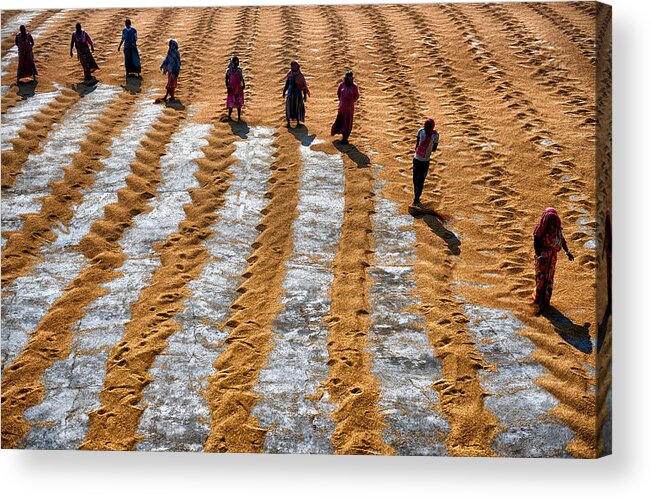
348, 95
26, 65
548, 237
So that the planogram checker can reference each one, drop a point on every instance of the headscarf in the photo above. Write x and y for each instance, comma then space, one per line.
549, 229
424, 144
81, 37
348, 78
172, 62
299, 79
23, 41
231, 66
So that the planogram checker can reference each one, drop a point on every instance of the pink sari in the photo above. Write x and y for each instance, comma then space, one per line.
235, 96
348, 95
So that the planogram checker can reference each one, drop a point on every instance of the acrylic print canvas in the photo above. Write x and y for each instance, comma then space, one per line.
339, 229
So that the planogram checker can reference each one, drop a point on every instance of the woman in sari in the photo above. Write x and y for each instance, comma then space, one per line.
84, 45
297, 91
171, 66
26, 65
131, 55
348, 95
547, 241
234, 87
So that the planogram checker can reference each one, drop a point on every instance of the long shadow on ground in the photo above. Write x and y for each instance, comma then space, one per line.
239, 128
301, 134
434, 223
359, 158
85, 87
577, 336
175, 104
132, 84
27, 90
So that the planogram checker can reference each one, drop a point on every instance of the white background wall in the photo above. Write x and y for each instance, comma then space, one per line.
625, 474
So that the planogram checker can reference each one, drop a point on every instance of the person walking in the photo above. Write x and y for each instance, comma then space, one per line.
348, 94
171, 66
83, 43
427, 141
131, 55
297, 91
234, 87
26, 65
547, 241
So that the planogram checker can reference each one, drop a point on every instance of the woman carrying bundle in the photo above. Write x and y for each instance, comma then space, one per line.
297, 91
84, 45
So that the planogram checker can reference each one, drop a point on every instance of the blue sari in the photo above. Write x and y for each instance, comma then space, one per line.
131, 55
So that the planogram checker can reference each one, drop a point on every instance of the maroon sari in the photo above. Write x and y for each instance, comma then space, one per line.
26, 65
86, 59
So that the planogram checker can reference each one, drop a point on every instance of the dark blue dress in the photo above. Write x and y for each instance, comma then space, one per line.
131, 55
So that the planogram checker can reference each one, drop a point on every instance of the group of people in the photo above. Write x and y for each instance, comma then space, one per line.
548, 234
295, 91
82, 42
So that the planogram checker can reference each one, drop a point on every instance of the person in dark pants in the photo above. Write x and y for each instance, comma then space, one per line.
427, 141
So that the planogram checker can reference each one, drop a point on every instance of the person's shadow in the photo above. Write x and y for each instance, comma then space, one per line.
239, 128
433, 221
175, 104
576, 335
302, 135
28, 89
359, 158
132, 84
85, 87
